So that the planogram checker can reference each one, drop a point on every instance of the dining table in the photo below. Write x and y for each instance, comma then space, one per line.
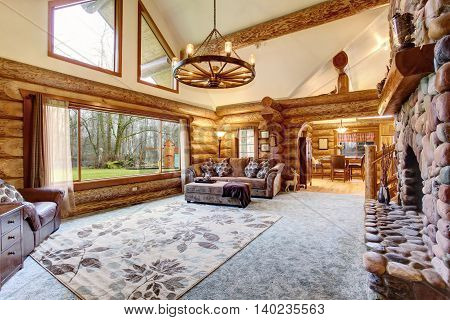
348, 159
327, 159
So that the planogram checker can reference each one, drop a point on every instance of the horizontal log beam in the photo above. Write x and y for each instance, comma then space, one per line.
11, 128
27, 73
123, 201
310, 17
238, 108
363, 95
11, 109
334, 111
254, 117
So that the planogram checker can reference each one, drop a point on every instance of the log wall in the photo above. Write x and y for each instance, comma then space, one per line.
235, 117
328, 131
204, 143
17, 78
11, 140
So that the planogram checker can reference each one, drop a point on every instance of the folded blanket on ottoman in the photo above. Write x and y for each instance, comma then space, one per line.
239, 191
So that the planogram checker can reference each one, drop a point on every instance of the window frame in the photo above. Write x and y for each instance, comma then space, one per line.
80, 184
118, 29
255, 142
142, 12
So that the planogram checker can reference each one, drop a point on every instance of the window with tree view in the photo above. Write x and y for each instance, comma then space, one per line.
87, 33
112, 145
155, 63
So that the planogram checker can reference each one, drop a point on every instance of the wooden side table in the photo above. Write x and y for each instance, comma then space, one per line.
11, 231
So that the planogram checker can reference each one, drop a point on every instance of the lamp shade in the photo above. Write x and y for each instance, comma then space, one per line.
220, 134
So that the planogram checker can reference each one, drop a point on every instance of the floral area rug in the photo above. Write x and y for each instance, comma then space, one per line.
155, 253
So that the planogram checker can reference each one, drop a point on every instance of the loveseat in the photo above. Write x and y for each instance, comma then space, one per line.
267, 187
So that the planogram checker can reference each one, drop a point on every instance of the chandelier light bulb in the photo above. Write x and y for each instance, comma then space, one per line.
175, 60
228, 48
252, 59
341, 128
190, 49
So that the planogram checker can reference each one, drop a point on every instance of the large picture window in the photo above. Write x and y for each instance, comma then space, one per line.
112, 145
246, 143
155, 55
87, 33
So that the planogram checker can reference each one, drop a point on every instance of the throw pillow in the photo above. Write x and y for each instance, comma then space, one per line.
251, 170
224, 168
265, 167
8, 193
239, 165
209, 167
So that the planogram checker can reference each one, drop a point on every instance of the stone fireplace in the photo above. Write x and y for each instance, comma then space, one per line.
410, 180
408, 243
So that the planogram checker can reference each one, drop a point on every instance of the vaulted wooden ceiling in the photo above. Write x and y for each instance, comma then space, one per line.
294, 41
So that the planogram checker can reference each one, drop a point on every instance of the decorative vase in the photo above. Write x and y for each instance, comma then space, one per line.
387, 195
381, 198
403, 29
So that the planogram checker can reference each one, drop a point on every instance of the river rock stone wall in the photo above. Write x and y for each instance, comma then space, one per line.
409, 246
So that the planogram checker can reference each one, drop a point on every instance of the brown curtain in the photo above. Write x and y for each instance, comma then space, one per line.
34, 175
185, 150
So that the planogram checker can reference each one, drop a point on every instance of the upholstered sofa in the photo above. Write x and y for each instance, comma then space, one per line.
268, 187
42, 213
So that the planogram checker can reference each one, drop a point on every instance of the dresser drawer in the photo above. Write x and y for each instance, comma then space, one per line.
10, 221
10, 260
10, 238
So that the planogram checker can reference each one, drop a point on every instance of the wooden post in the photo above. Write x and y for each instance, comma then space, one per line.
371, 172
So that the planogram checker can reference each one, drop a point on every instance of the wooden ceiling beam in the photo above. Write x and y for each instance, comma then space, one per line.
310, 17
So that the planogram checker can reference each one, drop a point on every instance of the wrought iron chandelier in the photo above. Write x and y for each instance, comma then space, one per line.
206, 67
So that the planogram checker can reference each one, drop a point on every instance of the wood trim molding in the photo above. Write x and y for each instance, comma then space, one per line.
118, 24
142, 11
18, 71
310, 17
95, 184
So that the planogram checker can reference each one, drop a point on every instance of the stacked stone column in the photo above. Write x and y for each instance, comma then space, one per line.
409, 245
424, 125
437, 183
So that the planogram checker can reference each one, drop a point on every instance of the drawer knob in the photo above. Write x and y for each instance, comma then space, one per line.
11, 237
11, 221
11, 253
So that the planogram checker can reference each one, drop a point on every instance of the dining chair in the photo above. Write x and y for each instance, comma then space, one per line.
357, 166
317, 165
339, 167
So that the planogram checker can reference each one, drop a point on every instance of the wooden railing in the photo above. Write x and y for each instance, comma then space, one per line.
374, 170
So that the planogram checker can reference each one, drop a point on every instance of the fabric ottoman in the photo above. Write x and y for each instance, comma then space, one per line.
209, 193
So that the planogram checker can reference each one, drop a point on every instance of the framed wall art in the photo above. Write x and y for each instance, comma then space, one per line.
323, 144
264, 134
265, 147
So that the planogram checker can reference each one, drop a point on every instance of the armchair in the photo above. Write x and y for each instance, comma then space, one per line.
42, 213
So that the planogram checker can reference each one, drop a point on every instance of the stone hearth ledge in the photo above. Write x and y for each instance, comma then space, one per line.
397, 258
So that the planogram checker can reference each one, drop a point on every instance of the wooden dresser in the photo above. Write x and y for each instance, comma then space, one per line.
11, 257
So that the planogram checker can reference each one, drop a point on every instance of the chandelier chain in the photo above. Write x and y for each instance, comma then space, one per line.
214, 14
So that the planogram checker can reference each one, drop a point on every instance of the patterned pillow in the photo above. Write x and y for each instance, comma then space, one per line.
224, 168
251, 170
265, 167
8, 193
209, 167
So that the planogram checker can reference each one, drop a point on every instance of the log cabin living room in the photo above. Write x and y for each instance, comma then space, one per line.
299, 151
